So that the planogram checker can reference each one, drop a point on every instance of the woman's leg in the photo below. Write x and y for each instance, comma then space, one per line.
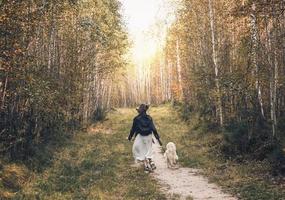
148, 146
142, 151
149, 154
139, 150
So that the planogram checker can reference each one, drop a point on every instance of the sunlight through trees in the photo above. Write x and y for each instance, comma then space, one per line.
65, 63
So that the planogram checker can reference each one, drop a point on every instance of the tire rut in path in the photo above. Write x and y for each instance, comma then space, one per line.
185, 182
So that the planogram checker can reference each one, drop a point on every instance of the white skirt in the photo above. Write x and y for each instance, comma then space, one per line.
142, 147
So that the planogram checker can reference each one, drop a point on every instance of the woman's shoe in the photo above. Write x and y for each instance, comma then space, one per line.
151, 163
147, 169
147, 166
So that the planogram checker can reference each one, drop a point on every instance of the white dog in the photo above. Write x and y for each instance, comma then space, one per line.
171, 155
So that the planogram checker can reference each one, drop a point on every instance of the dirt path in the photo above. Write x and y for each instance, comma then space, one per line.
96, 165
185, 182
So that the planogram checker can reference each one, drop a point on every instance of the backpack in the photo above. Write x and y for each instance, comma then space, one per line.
144, 125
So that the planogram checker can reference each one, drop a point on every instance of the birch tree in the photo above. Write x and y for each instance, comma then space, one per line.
215, 62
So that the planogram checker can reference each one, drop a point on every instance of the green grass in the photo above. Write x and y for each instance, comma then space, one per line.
95, 165
199, 148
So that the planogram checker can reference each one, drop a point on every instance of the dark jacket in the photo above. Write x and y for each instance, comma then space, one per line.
143, 125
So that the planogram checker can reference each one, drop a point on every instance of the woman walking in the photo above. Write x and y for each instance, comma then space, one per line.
142, 128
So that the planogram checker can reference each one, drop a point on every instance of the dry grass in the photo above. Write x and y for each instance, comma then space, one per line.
95, 165
251, 180
12, 178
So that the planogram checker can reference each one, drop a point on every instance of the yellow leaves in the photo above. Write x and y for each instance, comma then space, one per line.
54, 59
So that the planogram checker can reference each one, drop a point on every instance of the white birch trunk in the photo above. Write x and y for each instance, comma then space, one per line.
109, 94
168, 80
273, 79
4, 92
216, 68
161, 81
51, 42
148, 85
179, 69
254, 37
274, 107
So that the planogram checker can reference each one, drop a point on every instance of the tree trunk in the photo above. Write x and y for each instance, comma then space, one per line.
179, 70
4, 92
215, 62
273, 62
254, 38
275, 76
109, 94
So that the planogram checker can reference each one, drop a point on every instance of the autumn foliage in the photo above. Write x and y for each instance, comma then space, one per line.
57, 62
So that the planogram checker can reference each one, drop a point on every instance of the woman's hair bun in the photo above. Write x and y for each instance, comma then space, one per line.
147, 106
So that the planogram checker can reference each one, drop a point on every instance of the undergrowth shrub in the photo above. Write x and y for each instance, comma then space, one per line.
99, 114
244, 142
186, 111
236, 139
248, 139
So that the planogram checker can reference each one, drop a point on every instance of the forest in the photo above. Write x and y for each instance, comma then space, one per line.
58, 62
65, 64
222, 66
224, 60
230, 69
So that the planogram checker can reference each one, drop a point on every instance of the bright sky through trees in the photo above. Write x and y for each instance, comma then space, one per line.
142, 18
